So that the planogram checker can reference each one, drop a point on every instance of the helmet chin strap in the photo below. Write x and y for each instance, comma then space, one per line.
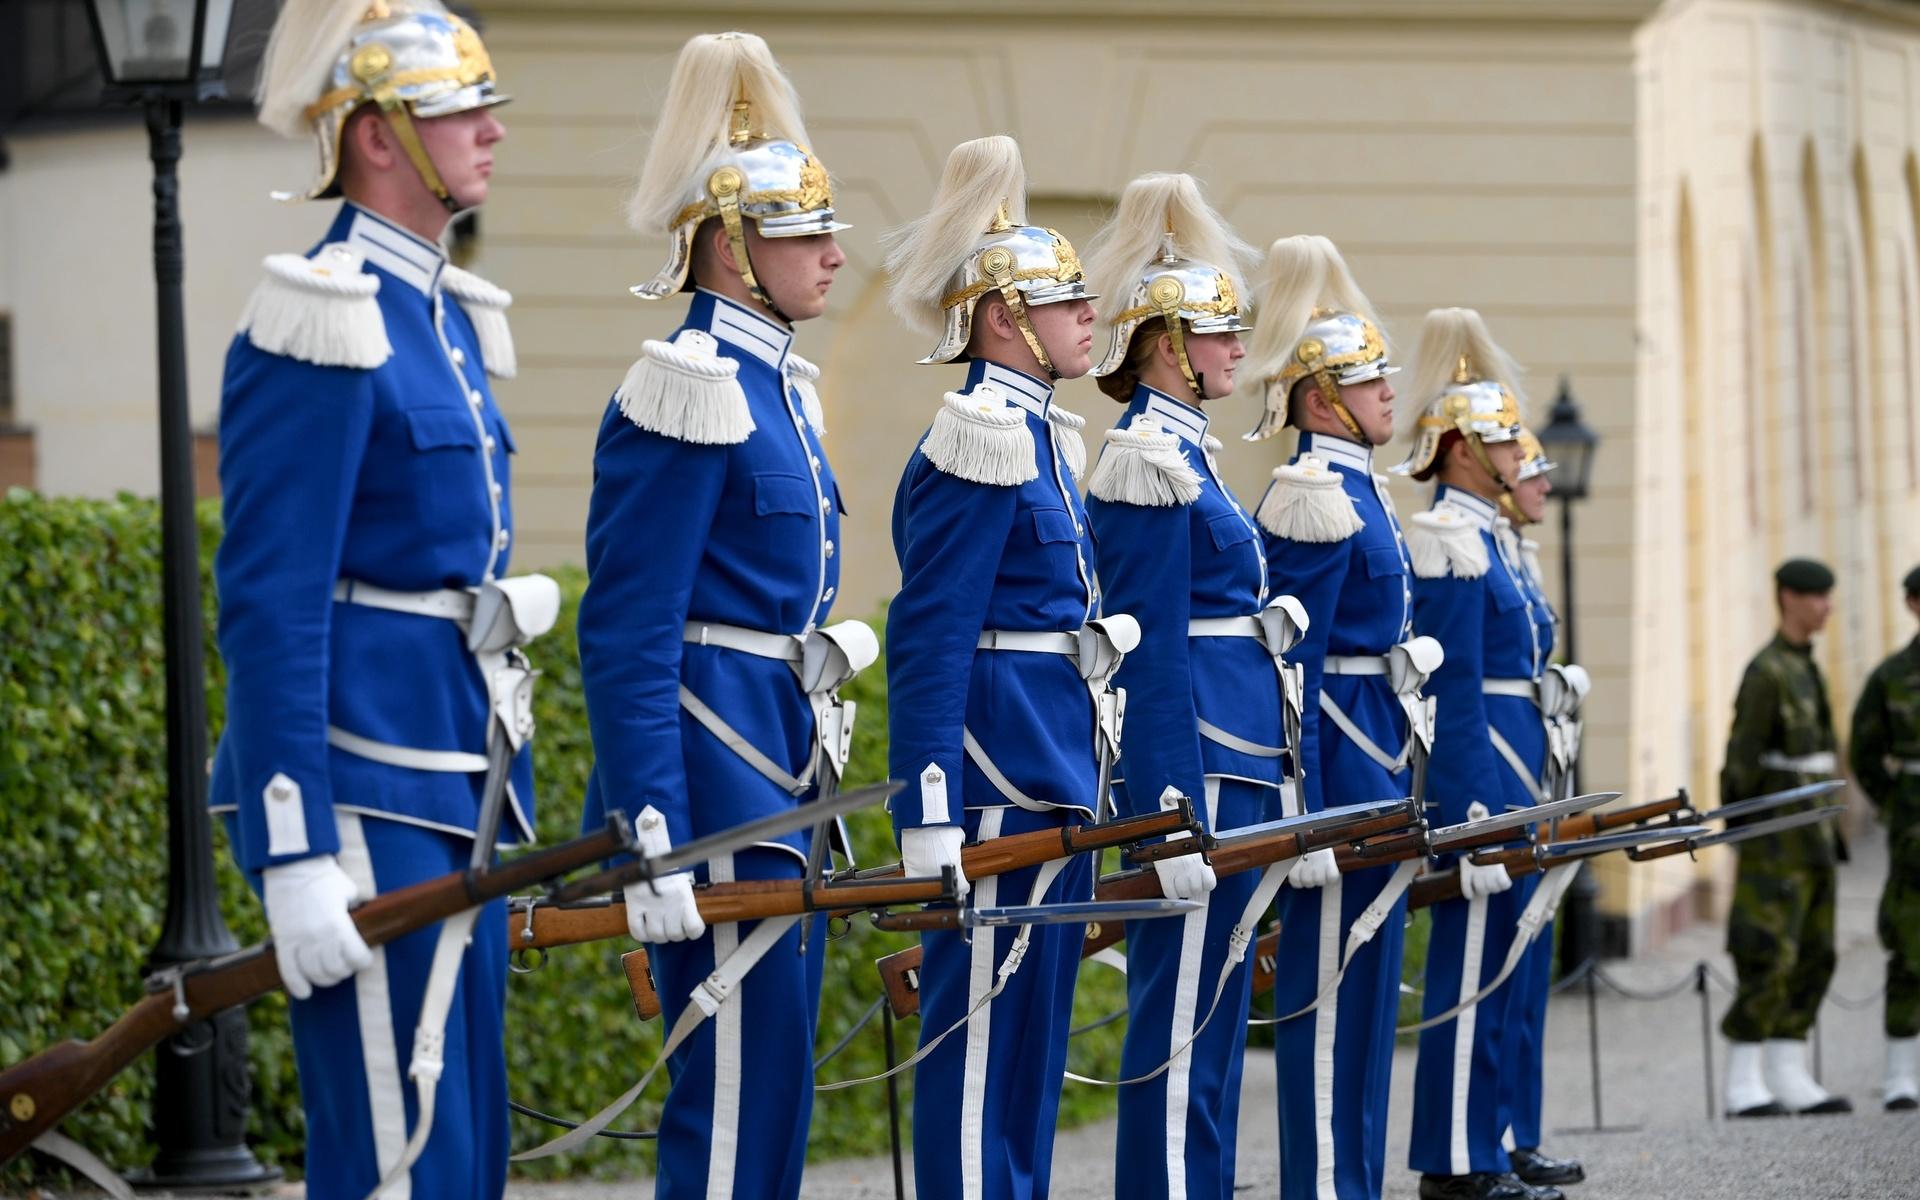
1330, 390
997, 265
1166, 293
1509, 507
724, 186
401, 122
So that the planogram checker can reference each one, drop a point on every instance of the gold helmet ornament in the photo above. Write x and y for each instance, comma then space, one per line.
975, 241
729, 145
1315, 323
413, 59
1534, 461
1170, 256
1469, 381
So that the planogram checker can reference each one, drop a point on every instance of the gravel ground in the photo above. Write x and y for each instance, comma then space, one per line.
1658, 1141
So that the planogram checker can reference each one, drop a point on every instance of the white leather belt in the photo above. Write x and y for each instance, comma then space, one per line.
448, 604
758, 642
1907, 766
1029, 642
1821, 762
1356, 664
1247, 627
1525, 689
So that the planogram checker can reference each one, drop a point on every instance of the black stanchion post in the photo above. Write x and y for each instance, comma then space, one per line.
893, 1106
1593, 1045
1706, 1029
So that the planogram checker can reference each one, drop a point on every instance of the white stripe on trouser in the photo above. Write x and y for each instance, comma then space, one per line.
379, 1056
1186, 996
1463, 1033
973, 1089
1325, 1020
723, 1147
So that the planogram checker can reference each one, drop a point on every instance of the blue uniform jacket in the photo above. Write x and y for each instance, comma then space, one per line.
1358, 593
978, 556
394, 475
1486, 625
1168, 564
738, 534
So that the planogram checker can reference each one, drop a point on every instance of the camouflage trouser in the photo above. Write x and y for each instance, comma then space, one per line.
1780, 934
1900, 934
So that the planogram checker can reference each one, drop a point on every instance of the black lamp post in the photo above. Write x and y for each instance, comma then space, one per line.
1569, 444
164, 55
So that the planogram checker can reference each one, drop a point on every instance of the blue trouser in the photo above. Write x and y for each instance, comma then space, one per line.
1335, 1062
736, 1117
986, 1100
1177, 1130
1526, 1065
1458, 1117
352, 1042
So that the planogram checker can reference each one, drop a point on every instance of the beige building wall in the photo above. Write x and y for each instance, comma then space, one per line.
1778, 326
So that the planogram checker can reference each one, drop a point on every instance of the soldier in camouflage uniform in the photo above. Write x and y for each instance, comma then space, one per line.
1780, 931
1885, 756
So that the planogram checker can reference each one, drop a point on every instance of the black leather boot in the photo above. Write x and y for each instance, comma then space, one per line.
1482, 1185
1537, 1168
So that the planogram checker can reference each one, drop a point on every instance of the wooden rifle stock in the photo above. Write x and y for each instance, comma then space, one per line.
1587, 824
535, 926
36, 1094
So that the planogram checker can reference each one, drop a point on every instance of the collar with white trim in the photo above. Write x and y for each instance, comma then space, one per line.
401, 253
1338, 451
740, 327
1034, 395
1483, 512
1174, 416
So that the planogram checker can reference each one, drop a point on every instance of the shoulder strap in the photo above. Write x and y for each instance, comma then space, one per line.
486, 306
1309, 503
686, 390
319, 310
1443, 541
1144, 465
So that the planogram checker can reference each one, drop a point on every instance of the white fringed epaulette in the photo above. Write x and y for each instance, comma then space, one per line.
805, 376
1142, 464
981, 438
1530, 558
1309, 503
1444, 541
319, 310
1068, 441
686, 390
486, 307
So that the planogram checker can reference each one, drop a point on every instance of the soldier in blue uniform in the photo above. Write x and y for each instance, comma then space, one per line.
1204, 713
1489, 746
369, 632
997, 666
1334, 542
1563, 688
713, 561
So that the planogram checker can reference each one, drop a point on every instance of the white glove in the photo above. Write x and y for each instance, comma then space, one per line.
1317, 869
1477, 881
660, 910
1188, 877
314, 940
929, 849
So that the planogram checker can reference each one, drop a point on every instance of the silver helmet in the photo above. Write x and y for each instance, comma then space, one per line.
777, 184
414, 59
1534, 461
1337, 349
1188, 296
1028, 266
1482, 411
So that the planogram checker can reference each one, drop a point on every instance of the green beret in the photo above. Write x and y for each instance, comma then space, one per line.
1912, 582
1804, 575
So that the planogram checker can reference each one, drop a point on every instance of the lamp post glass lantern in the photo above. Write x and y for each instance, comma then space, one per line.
1570, 445
164, 55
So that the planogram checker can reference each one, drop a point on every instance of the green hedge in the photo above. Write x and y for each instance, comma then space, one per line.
82, 864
